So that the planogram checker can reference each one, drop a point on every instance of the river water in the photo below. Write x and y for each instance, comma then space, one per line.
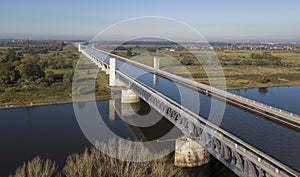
53, 132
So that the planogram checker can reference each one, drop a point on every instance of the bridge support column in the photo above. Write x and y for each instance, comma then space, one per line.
128, 96
111, 70
124, 109
79, 47
190, 154
155, 66
156, 63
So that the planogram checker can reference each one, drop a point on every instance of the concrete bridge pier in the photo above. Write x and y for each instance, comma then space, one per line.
188, 153
113, 81
116, 104
79, 48
156, 63
127, 95
155, 66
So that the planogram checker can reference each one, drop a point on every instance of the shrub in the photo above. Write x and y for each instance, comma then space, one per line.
92, 163
36, 168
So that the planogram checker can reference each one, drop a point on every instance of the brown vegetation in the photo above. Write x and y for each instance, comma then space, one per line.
93, 162
36, 168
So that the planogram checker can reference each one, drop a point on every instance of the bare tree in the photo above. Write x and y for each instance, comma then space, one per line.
36, 168
93, 162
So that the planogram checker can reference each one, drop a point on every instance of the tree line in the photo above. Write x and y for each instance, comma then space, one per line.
254, 59
93, 163
28, 66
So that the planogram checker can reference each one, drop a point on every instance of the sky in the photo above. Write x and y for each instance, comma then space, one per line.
216, 20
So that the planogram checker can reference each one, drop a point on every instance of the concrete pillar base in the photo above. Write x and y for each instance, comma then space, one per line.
190, 154
130, 110
128, 96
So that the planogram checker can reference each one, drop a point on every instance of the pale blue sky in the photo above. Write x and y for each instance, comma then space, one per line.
215, 19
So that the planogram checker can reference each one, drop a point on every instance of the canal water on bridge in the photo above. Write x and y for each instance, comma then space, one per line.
285, 97
52, 132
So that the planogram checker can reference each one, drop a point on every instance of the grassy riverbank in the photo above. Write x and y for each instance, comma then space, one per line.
32, 76
55, 94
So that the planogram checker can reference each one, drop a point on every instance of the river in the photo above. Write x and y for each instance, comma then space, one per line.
52, 131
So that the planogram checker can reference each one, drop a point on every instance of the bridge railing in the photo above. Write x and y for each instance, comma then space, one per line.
264, 105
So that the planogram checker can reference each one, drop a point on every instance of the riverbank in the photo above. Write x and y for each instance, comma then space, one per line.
34, 104
55, 94
40, 98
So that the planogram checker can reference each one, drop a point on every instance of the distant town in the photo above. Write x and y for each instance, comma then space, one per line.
263, 46
257, 46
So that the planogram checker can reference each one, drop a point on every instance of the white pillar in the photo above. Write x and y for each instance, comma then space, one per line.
112, 72
155, 66
156, 63
79, 47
